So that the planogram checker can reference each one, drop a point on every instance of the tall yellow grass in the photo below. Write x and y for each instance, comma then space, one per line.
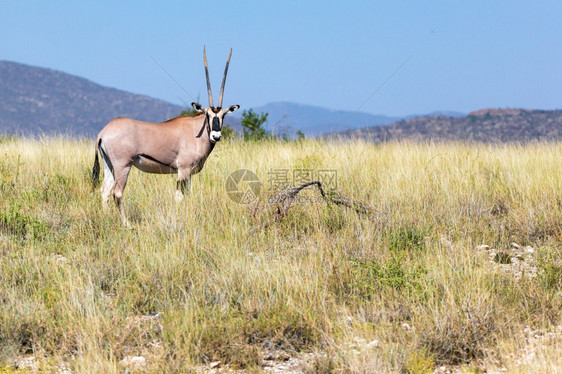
204, 280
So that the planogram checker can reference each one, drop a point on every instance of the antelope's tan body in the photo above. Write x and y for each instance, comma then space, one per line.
180, 145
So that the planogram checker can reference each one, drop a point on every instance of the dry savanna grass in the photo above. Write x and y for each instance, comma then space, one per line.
407, 289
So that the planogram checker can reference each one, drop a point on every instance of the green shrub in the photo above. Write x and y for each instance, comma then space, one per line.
551, 276
17, 224
370, 277
419, 362
409, 237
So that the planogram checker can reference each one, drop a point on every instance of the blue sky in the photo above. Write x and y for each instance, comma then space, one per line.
466, 55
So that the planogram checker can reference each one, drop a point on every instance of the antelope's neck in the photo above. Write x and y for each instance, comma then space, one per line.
205, 145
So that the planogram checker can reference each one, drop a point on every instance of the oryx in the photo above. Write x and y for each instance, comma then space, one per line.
179, 145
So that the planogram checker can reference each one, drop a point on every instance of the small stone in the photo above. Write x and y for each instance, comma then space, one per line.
446, 242
214, 364
60, 259
27, 362
520, 257
373, 344
529, 249
360, 341
406, 326
135, 361
482, 247
515, 245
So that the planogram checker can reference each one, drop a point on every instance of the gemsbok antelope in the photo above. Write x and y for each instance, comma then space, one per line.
179, 145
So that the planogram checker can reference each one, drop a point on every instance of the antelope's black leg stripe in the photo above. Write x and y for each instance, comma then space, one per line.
106, 158
155, 160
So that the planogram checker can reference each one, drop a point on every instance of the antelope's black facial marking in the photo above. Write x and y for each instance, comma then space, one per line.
216, 124
214, 118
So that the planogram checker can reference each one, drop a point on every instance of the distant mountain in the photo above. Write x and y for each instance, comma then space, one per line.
446, 113
314, 120
36, 100
486, 125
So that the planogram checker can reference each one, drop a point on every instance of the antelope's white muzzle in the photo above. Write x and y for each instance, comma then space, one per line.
215, 136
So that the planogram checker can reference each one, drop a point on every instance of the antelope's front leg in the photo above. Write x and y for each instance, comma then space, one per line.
184, 184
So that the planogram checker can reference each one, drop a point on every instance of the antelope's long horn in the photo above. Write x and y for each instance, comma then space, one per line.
208, 81
224, 79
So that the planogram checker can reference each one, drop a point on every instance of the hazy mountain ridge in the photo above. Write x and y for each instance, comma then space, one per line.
315, 120
485, 125
36, 100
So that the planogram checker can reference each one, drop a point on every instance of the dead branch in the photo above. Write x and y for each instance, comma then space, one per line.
284, 201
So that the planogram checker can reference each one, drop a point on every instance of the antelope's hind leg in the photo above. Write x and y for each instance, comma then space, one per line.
107, 185
121, 175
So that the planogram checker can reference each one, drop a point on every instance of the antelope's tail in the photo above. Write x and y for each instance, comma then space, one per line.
96, 168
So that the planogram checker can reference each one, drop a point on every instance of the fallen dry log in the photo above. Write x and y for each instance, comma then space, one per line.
284, 201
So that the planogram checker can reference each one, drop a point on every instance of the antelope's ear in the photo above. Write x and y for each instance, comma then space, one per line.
198, 107
233, 108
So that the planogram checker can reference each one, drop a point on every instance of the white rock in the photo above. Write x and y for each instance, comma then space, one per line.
360, 341
214, 364
482, 247
373, 344
27, 362
406, 326
135, 361
515, 245
60, 259
446, 242
529, 249
530, 356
